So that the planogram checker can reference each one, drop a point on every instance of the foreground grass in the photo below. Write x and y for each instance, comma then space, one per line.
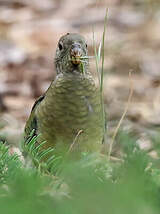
90, 185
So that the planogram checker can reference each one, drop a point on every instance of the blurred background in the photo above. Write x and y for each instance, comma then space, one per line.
29, 32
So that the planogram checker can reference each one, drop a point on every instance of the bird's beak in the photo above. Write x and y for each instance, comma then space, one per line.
76, 53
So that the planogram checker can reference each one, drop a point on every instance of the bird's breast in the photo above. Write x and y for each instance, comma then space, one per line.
72, 104
75, 98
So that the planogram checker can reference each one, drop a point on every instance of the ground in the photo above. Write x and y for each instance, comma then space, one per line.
29, 32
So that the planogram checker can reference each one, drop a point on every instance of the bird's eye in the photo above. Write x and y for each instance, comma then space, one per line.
60, 46
86, 45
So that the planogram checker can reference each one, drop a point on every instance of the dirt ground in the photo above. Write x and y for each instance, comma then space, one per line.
29, 32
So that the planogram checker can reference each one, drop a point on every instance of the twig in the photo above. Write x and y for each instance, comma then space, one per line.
122, 118
71, 146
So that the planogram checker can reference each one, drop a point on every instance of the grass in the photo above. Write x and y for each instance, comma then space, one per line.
99, 58
90, 185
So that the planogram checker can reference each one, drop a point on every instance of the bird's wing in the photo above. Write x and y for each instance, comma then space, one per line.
31, 125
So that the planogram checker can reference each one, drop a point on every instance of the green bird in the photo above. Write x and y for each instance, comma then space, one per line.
69, 115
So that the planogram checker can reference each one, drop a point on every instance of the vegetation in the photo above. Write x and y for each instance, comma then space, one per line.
90, 185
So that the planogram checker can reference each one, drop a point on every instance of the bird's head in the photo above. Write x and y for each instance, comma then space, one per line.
71, 54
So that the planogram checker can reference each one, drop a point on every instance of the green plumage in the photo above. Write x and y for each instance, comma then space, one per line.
70, 111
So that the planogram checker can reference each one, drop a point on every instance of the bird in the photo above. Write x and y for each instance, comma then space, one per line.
68, 117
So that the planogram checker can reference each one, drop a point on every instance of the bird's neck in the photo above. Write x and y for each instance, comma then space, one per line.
68, 67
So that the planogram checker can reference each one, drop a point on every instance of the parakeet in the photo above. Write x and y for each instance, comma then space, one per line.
69, 114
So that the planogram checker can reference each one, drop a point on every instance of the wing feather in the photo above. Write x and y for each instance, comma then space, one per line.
31, 124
